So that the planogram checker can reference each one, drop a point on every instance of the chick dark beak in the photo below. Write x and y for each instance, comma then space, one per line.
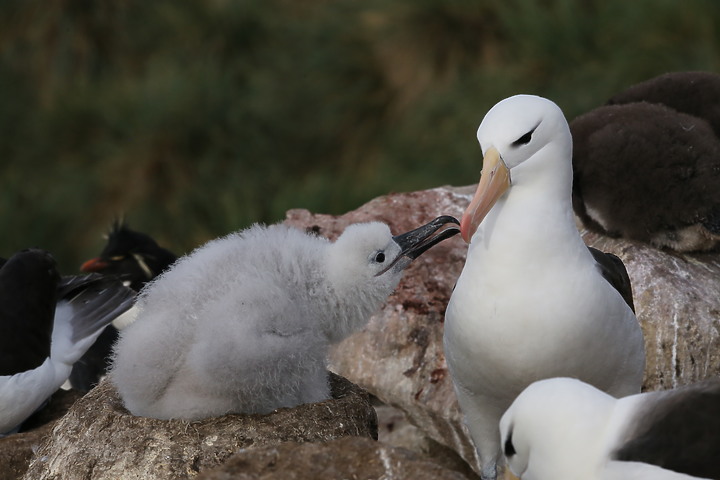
416, 242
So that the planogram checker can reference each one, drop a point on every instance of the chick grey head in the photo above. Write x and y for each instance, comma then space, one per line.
366, 263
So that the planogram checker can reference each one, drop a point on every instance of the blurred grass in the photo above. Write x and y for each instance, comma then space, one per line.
197, 118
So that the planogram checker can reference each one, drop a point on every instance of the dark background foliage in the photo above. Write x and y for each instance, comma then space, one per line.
196, 118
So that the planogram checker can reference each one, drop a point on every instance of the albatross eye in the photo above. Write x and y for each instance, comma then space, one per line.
380, 257
524, 140
509, 447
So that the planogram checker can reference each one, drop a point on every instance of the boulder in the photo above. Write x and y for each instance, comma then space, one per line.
348, 457
399, 358
394, 428
677, 301
99, 439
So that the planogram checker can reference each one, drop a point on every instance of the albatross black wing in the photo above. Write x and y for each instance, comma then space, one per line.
614, 271
28, 282
678, 430
96, 301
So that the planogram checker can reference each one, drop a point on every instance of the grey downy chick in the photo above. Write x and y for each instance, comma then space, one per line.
243, 323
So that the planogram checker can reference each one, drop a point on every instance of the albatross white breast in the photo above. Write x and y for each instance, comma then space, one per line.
532, 301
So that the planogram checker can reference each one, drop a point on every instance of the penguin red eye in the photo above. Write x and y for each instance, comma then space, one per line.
380, 257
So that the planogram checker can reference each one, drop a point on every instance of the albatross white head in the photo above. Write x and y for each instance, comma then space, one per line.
553, 430
517, 137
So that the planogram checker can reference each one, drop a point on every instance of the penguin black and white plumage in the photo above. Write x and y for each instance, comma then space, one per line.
46, 323
647, 165
564, 429
135, 258
243, 323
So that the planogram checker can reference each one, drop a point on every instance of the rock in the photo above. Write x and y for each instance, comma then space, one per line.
677, 300
17, 450
349, 457
99, 439
395, 429
399, 358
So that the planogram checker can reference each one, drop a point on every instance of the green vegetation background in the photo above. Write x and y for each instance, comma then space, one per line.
195, 118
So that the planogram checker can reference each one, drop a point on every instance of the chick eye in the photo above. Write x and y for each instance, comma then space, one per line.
524, 140
380, 257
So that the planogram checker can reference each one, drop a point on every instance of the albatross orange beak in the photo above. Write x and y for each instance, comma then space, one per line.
494, 181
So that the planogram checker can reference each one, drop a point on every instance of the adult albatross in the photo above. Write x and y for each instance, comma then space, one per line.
564, 429
532, 301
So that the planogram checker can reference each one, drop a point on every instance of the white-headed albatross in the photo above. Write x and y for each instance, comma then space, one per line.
565, 429
532, 301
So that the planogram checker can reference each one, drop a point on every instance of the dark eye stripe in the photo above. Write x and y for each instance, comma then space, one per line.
509, 447
524, 140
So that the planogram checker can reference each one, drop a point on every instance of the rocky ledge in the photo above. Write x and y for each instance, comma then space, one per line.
99, 439
398, 358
